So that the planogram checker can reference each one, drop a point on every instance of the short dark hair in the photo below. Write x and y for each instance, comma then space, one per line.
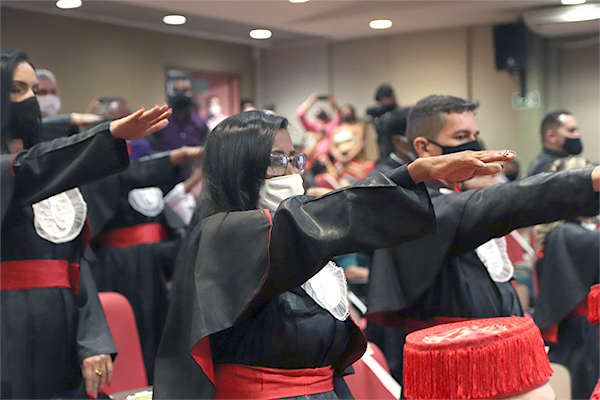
235, 161
8, 61
395, 125
427, 117
551, 121
246, 101
384, 91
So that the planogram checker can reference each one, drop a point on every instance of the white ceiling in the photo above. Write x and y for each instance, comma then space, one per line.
315, 20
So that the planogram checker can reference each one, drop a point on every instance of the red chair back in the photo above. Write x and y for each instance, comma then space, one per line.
364, 383
129, 371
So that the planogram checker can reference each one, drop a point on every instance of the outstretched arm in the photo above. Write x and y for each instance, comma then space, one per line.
459, 166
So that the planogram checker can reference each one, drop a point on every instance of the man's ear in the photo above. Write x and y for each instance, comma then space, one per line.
551, 137
421, 145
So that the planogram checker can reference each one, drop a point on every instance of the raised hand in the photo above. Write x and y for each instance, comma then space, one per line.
141, 123
459, 166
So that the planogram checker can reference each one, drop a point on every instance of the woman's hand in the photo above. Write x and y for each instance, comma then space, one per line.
459, 166
141, 123
96, 371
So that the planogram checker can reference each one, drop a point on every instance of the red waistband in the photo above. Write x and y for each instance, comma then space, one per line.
38, 274
133, 236
580, 310
235, 381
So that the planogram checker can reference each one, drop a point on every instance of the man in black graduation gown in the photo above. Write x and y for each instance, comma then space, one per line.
460, 272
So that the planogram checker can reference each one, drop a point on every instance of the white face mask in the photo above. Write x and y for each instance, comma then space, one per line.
49, 105
277, 189
214, 109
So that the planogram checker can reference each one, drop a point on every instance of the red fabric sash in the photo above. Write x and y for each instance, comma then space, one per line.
133, 236
235, 381
38, 274
550, 333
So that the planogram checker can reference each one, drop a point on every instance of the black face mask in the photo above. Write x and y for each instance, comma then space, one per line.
511, 176
474, 145
573, 146
25, 121
389, 107
348, 118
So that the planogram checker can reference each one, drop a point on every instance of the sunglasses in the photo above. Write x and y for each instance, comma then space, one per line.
279, 163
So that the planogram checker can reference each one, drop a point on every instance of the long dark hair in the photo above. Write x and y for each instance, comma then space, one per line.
235, 161
8, 60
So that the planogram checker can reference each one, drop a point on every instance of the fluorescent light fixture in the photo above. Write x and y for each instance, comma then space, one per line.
380, 24
67, 4
571, 2
174, 19
298, 1
260, 34
583, 13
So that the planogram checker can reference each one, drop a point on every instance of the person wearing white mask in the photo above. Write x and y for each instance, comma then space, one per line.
56, 125
214, 111
48, 96
257, 308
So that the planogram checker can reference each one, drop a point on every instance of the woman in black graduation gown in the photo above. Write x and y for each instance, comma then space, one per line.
52, 320
257, 310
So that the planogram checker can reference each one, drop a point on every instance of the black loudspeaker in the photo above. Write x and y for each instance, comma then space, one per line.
509, 43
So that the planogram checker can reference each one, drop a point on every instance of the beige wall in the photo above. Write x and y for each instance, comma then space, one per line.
416, 65
574, 84
92, 58
456, 61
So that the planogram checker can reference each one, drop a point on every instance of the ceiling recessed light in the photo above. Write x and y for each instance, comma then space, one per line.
583, 13
67, 4
571, 2
174, 19
260, 34
298, 1
380, 24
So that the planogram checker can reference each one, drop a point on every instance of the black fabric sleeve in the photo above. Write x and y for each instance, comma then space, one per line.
374, 213
570, 266
52, 167
155, 170
93, 333
497, 210
57, 126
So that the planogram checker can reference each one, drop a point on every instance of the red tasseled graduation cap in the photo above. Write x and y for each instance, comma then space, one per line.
475, 359
594, 304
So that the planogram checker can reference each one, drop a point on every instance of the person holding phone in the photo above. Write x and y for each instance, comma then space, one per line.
322, 125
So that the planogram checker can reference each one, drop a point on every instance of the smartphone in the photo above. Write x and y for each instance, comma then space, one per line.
323, 96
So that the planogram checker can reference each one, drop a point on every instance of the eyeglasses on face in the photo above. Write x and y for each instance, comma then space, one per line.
279, 163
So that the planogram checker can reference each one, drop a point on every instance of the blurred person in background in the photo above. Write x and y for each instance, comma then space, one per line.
321, 125
56, 125
186, 127
567, 266
214, 111
560, 138
386, 102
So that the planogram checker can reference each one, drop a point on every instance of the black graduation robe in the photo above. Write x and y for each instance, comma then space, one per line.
441, 275
47, 332
52, 167
138, 272
236, 269
570, 266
